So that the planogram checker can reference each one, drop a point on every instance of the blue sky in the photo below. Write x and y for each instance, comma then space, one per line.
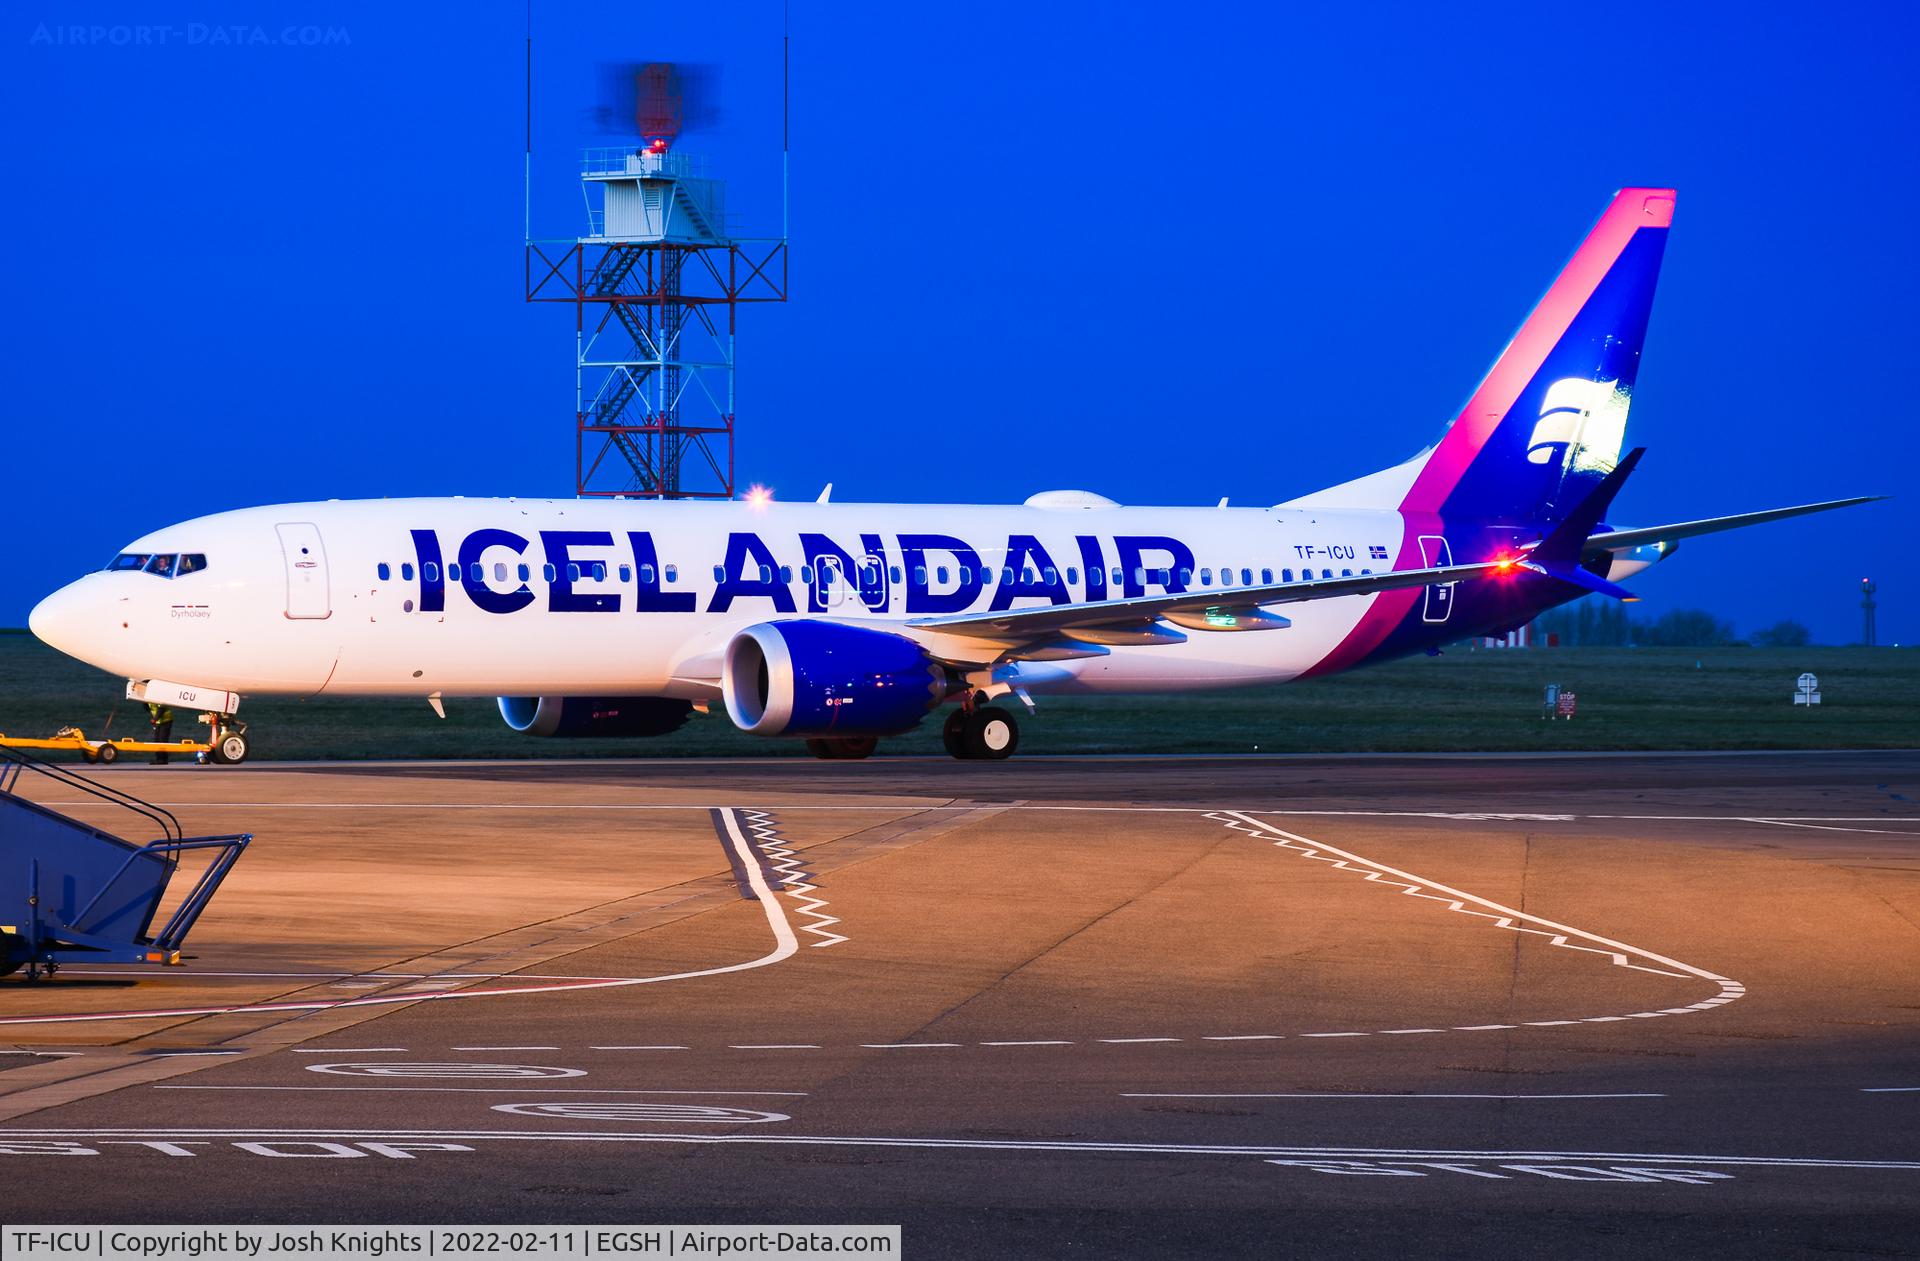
1168, 255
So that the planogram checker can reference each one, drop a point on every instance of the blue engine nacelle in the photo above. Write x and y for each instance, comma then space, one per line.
827, 679
580, 716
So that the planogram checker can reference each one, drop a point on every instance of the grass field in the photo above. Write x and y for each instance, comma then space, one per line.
1629, 698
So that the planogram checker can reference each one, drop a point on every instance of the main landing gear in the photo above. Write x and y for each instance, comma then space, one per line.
980, 733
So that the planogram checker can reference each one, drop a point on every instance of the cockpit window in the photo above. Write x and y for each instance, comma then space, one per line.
160, 564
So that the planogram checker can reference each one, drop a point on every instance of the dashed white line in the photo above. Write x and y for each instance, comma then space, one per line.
506, 1048
1119, 1041
1242, 1037
343, 1050
637, 1048
901, 1046
774, 1046
1032, 1042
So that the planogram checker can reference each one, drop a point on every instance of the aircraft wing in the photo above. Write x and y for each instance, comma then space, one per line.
1064, 630
1622, 540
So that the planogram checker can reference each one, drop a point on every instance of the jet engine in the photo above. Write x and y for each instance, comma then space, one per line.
822, 679
580, 716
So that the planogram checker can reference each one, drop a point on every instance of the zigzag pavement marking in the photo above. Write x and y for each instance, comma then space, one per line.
793, 877
1618, 953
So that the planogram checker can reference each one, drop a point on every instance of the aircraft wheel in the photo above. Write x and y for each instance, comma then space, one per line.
230, 749
842, 748
107, 755
992, 735
12, 949
953, 734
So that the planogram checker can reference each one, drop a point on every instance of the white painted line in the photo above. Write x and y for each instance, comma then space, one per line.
901, 1046
785, 946
1122, 1040
1090, 1147
1888, 1090
774, 1046
636, 1048
1331, 1035
342, 1050
1040, 1042
1243, 1037
505, 1048
1343, 1095
1413, 1031
1479, 1028
496, 1090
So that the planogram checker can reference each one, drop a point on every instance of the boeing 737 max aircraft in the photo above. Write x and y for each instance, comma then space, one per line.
844, 623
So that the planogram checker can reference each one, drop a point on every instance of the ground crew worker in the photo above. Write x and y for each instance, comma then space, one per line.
162, 718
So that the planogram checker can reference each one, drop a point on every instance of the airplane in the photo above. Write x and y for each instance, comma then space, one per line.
843, 624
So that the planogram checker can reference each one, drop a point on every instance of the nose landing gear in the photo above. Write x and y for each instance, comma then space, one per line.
980, 733
229, 744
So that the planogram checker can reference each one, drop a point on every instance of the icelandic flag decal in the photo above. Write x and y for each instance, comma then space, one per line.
1377, 552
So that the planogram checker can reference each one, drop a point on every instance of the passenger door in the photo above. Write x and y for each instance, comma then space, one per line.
306, 564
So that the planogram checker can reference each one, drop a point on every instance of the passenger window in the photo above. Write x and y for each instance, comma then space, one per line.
1286, 575
1073, 575
525, 574
646, 575
1326, 573
1139, 577
1119, 577
549, 573
385, 573
673, 573
599, 571
1026, 574
894, 572
573, 572
786, 573
942, 573
766, 573
1346, 573
986, 576
430, 572
1186, 576
453, 572
1266, 576
626, 573
1366, 573
1206, 576
1006, 573
499, 571
1052, 576
920, 575
719, 573
806, 574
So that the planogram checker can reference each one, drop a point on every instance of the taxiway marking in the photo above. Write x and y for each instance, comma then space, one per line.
1055, 1146
1307, 1094
785, 946
912, 809
499, 1090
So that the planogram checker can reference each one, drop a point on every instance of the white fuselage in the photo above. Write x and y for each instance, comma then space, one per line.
339, 597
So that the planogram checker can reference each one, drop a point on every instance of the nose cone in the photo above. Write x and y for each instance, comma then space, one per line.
66, 620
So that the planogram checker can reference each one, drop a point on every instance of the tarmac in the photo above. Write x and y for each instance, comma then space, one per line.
1101, 1006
